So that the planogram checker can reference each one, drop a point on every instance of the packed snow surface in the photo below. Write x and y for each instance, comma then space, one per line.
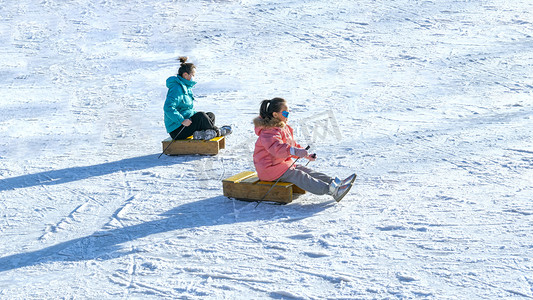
429, 102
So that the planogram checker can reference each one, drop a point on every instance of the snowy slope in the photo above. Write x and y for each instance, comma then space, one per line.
430, 102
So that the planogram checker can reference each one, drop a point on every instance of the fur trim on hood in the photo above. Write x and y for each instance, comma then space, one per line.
268, 123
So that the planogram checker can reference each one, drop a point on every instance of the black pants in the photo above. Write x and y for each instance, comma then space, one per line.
200, 121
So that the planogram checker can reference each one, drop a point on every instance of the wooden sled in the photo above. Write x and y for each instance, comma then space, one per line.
247, 186
190, 146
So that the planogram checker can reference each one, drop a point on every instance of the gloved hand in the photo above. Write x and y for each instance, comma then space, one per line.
299, 152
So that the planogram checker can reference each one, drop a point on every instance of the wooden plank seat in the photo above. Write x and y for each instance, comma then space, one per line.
190, 146
247, 186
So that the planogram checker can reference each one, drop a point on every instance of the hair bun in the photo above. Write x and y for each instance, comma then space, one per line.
183, 59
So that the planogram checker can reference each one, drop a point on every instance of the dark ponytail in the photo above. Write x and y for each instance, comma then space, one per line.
185, 67
268, 107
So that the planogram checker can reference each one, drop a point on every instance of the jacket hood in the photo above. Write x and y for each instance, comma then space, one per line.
175, 80
261, 124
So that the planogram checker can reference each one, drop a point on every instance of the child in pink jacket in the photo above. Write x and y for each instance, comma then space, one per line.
275, 149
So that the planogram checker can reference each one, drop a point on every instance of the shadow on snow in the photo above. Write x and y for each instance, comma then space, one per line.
79, 173
105, 244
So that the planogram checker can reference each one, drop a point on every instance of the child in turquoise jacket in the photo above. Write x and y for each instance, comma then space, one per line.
181, 120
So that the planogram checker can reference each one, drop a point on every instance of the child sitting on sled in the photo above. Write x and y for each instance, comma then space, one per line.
181, 119
275, 148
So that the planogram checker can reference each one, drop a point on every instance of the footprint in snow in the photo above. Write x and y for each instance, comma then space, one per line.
405, 278
391, 228
302, 236
316, 254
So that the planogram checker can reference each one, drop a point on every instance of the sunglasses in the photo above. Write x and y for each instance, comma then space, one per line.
285, 113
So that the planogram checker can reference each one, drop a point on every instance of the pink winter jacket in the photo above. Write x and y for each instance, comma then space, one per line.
272, 156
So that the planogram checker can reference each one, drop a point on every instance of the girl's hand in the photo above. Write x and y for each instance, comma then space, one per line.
311, 157
186, 122
300, 152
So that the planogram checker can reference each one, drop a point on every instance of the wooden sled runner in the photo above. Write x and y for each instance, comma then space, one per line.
247, 186
190, 146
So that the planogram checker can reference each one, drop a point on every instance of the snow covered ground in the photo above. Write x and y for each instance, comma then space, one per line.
430, 102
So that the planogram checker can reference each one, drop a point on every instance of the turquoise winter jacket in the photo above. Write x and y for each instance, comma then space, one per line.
179, 102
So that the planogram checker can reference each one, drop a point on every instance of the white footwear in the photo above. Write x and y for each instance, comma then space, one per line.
341, 191
349, 179
334, 186
204, 134
225, 130
338, 189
